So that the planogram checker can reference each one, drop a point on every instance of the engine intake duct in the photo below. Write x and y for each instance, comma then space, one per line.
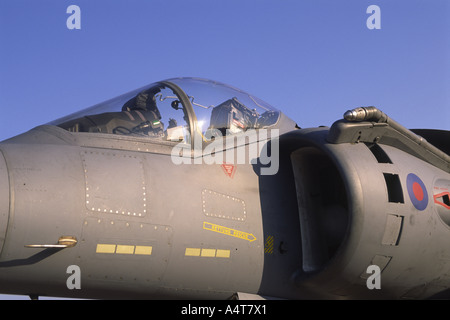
322, 206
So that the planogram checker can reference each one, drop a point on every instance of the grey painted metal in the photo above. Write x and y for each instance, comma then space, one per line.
140, 226
4, 200
129, 198
428, 151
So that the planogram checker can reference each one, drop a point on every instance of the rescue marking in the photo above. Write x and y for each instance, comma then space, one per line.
229, 169
208, 253
442, 199
417, 192
228, 231
124, 249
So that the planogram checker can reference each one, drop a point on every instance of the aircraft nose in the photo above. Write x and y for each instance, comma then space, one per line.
4, 200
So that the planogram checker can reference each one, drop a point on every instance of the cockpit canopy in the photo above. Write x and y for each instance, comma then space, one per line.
175, 110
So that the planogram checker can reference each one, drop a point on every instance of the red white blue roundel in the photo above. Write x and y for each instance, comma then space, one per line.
417, 191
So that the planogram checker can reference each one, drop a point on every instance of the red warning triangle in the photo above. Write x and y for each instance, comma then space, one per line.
229, 169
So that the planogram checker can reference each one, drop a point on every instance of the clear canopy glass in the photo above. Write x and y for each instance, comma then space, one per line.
174, 110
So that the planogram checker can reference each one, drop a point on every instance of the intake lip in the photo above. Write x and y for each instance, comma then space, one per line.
4, 200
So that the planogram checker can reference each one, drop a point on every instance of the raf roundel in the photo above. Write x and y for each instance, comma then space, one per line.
417, 191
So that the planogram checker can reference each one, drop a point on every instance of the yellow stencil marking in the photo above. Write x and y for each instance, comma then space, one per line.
208, 253
124, 249
106, 248
222, 253
192, 252
143, 250
228, 231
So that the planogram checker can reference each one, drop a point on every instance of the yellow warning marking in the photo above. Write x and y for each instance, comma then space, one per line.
124, 249
207, 253
228, 231
143, 250
268, 246
106, 248
222, 253
192, 252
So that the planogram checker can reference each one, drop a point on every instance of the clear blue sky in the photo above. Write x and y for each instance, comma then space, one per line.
312, 59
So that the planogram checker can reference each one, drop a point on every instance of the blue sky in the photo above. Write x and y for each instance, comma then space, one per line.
312, 59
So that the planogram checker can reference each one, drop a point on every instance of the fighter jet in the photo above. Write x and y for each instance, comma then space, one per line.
192, 189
